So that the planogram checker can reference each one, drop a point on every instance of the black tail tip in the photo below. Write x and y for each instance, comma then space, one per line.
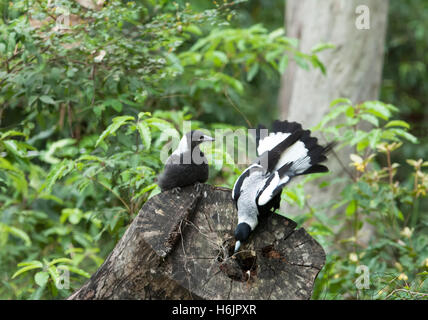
330, 146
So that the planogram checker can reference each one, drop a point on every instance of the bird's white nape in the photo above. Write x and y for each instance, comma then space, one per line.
183, 146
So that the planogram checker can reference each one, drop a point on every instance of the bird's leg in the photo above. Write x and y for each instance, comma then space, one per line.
176, 190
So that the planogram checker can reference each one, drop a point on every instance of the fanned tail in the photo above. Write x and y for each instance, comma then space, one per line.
290, 151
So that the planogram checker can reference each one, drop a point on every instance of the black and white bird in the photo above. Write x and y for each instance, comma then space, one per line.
187, 165
287, 151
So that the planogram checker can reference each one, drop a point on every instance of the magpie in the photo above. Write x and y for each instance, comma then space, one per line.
187, 165
287, 151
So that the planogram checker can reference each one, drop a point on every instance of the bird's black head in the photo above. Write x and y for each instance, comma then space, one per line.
196, 137
242, 231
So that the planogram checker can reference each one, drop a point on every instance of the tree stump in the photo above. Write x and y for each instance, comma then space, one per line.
181, 247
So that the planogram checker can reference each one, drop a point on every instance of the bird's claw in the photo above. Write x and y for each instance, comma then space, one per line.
176, 190
198, 186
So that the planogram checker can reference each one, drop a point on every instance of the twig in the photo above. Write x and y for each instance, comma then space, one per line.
407, 291
112, 191
237, 109
388, 159
340, 161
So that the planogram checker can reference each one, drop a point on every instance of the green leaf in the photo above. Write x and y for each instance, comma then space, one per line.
374, 137
60, 260
112, 128
12, 133
318, 64
350, 112
141, 115
31, 263
399, 214
77, 271
193, 29
351, 208
397, 123
276, 33
25, 269
20, 234
160, 124
301, 62
56, 173
378, 109
217, 57
74, 215
41, 278
404, 134
47, 100
54, 274
48, 156
253, 71
13, 148
370, 118
340, 101
322, 46
116, 105
145, 134
283, 63
362, 145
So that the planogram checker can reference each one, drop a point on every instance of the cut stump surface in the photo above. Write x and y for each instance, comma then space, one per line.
181, 247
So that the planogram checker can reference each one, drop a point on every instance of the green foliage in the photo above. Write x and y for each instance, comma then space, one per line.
405, 76
370, 195
87, 114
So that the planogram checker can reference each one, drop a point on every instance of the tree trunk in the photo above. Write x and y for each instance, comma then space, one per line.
180, 247
354, 66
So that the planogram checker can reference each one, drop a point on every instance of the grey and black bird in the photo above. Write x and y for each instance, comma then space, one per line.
187, 165
286, 152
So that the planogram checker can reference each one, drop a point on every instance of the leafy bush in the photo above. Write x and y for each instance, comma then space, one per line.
396, 254
87, 112
87, 96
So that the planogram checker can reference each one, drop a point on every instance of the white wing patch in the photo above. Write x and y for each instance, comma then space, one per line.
293, 153
270, 141
301, 165
266, 195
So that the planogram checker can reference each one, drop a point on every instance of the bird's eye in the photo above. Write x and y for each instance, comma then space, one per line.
201, 138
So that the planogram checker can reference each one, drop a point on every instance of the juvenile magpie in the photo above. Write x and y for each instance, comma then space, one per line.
187, 165
287, 151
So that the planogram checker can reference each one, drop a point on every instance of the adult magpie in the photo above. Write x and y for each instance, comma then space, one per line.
287, 151
187, 165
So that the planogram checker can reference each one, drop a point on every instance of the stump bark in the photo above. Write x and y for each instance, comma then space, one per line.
181, 247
